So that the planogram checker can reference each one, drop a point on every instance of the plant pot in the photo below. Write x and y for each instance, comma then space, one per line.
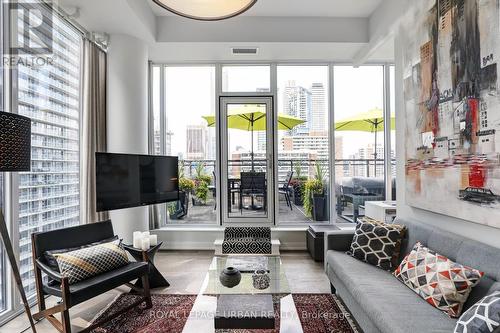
319, 210
230, 277
297, 197
198, 202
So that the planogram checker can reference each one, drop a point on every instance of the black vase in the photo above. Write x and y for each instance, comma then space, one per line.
230, 277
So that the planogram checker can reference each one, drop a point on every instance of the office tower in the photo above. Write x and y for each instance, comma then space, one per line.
196, 142
49, 195
318, 119
297, 103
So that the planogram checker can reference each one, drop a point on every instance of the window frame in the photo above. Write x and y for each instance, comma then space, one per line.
273, 92
14, 305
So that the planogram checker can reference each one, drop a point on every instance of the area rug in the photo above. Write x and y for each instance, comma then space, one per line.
318, 313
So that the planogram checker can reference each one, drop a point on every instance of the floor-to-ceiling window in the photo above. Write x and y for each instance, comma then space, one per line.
304, 150
182, 129
2, 196
308, 155
392, 97
49, 94
359, 124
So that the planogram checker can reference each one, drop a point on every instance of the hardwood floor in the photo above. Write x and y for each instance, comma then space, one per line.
185, 270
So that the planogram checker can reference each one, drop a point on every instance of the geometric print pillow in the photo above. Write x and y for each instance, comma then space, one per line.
84, 263
443, 283
483, 317
376, 243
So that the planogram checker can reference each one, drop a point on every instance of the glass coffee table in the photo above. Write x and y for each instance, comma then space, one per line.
202, 316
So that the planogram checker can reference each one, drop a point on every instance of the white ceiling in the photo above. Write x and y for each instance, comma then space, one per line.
299, 8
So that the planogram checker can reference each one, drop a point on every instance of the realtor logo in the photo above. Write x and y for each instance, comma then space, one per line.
31, 27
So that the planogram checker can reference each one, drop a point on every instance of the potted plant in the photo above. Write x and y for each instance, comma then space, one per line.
201, 182
297, 185
315, 199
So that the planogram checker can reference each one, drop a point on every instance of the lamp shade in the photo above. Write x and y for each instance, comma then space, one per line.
15, 142
206, 10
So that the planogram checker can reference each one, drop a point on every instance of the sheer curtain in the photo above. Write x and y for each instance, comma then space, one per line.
93, 126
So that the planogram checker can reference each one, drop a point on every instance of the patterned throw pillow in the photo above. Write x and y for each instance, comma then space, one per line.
84, 263
402, 230
483, 317
443, 283
375, 243
51, 261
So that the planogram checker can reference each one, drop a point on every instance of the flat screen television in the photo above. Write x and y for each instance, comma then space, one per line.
125, 180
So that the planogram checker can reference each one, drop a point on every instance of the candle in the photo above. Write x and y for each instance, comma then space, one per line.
153, 240
145, 244
137, 243
145, 234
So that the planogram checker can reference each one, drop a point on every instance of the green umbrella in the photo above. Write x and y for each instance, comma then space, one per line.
253, 118
370, 121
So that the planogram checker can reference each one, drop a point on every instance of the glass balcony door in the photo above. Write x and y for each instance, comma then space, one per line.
246, 125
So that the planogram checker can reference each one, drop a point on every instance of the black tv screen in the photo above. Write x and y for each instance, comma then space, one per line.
124, 180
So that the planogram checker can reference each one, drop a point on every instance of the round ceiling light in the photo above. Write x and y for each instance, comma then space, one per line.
206, 10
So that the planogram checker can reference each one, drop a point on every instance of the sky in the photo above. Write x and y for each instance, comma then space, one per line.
190, 94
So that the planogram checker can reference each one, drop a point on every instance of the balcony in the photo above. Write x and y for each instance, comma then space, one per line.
345, 171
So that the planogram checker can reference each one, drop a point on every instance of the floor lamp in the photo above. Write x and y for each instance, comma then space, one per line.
15, 155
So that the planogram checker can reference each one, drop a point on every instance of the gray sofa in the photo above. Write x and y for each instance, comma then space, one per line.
380, 303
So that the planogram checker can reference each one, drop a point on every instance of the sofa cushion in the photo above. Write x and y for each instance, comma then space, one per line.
383, 298
84, 263
437, 279
483, 317
376, 243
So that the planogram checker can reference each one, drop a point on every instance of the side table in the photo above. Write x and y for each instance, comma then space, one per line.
156, 280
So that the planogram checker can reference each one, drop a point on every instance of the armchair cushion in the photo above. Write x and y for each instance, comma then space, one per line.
84, 263
99, 284
50, 258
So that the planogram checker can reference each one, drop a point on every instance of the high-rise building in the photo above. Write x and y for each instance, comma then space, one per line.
297, 103
196, 142
168, 142
49, 195
318, 120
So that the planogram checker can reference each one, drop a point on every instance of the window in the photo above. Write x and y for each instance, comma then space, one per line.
359, 92
303, 150
189, 95
246, 79
49, 195
393, 131
2, 197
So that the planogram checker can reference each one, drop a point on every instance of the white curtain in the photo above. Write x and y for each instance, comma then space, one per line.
93, 131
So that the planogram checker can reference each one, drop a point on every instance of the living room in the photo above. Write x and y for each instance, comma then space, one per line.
249, 166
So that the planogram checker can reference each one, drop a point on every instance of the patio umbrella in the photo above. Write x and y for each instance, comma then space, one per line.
370, 121
253, 118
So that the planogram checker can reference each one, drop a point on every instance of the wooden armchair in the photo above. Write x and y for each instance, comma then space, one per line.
57, 285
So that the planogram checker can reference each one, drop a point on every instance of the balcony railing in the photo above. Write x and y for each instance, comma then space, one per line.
343, 167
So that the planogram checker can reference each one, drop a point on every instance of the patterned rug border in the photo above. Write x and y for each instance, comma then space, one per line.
342, 307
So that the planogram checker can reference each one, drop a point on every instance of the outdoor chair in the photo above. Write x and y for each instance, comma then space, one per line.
253, 185
285, 189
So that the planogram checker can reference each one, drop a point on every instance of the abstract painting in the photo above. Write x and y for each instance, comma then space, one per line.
452, 107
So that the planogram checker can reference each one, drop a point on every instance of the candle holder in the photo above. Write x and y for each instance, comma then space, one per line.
261, 279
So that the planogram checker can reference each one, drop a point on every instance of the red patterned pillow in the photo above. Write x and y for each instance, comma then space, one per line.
443, 283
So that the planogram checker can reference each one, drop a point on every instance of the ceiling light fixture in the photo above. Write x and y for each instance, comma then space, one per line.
206, 10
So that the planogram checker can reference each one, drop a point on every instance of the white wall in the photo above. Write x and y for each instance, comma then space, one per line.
128, 116
474, 231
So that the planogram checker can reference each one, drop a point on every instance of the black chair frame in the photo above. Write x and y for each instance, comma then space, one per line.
71, 295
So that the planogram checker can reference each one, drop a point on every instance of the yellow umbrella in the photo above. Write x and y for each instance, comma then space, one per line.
370, 121
253, 118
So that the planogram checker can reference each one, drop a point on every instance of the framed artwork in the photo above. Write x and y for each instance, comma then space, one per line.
452, 107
